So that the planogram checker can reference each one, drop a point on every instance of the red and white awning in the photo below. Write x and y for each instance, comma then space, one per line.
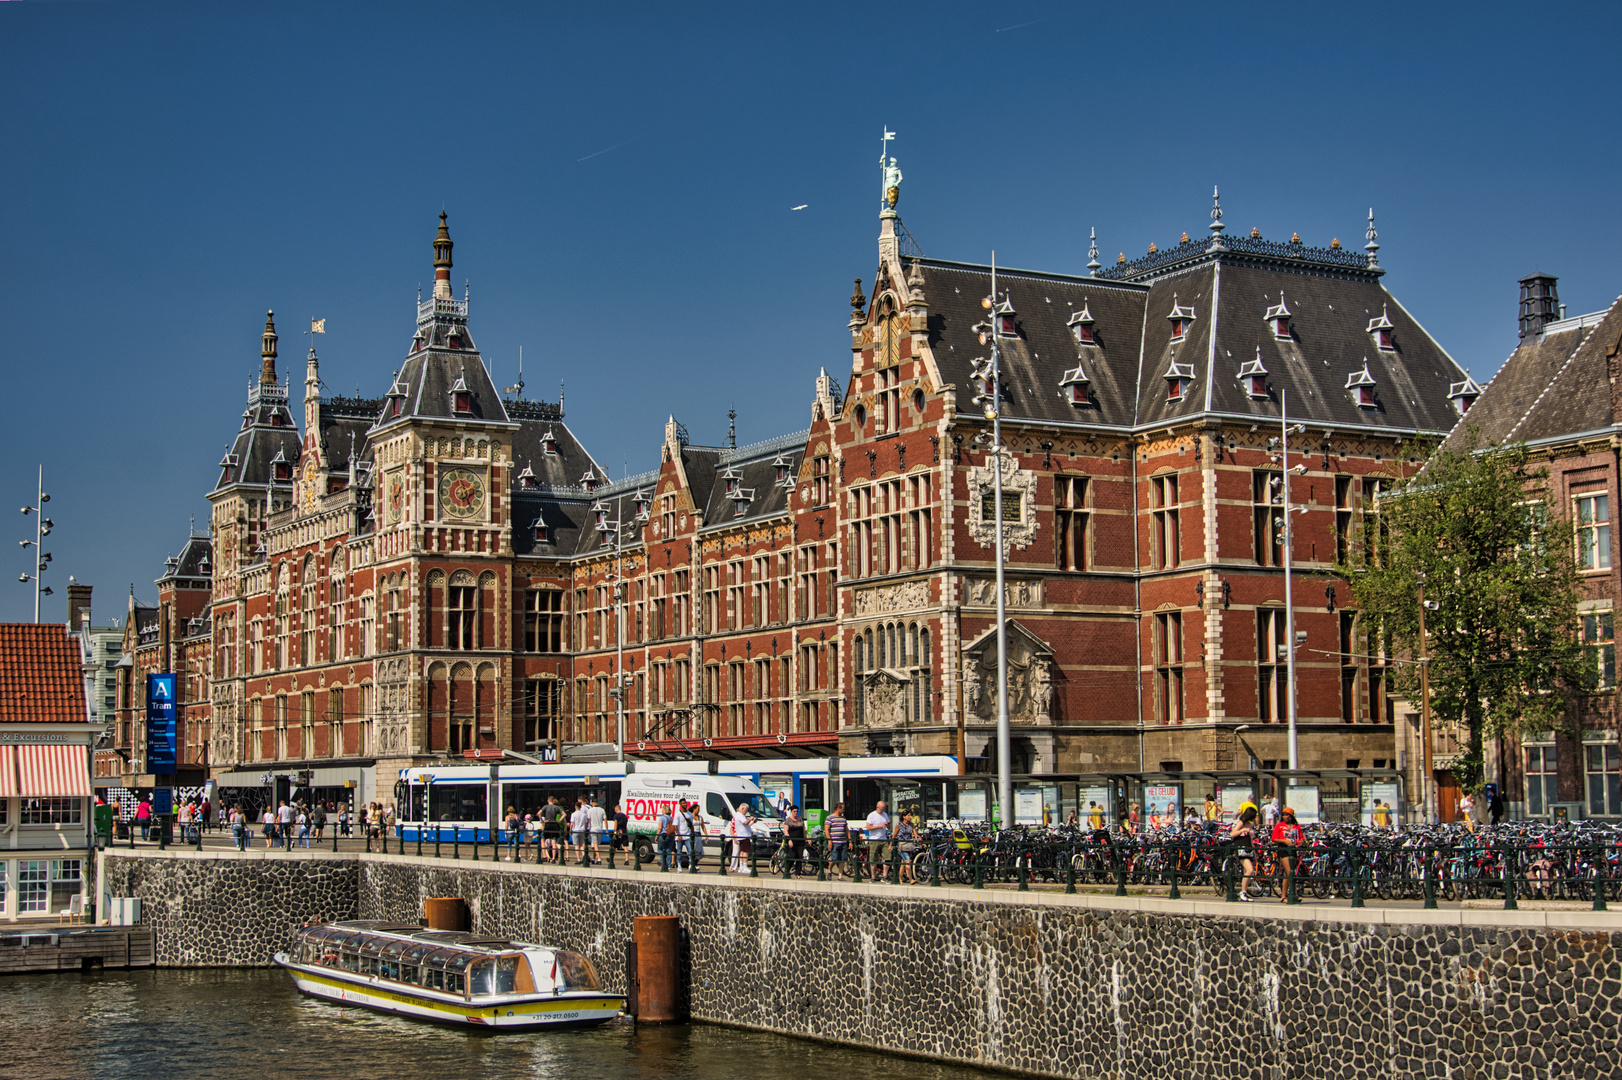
8, 772
53, 772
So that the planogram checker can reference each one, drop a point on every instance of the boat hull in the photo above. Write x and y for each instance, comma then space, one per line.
508, 1013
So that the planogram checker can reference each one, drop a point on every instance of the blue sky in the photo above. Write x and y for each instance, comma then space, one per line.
619, 181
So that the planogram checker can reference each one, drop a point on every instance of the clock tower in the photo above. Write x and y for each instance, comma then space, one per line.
442, 450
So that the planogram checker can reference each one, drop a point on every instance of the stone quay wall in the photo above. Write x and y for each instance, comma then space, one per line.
1094, 987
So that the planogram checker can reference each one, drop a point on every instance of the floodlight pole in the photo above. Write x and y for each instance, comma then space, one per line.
1005, 783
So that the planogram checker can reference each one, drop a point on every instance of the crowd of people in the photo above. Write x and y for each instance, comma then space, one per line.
578, 836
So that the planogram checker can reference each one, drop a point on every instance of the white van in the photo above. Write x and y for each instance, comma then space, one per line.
643, 796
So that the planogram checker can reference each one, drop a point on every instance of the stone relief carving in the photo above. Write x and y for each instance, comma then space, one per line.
1030, 680
1018, 529
393, 713
904, 596
884, 698
1024, 593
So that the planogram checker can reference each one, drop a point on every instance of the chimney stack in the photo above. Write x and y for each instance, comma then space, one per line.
1540, 303
78, 605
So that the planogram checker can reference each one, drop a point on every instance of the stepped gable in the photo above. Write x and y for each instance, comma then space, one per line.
1035, 361
1556, 384
1329, 341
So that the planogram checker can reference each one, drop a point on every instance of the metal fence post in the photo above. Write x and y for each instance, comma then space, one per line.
754, 870
1510, 902
979, 871
456, 841
723, 860
1600, 867
1120, 869
1024, 860
1430, 879
1176, 893
1232, 896
1357, 879
1070, 872
895, 863
611, 854
475, 843
934, 869
822, 861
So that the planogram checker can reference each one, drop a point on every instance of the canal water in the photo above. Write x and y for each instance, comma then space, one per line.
250, 1024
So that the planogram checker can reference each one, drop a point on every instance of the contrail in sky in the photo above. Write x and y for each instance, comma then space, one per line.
1021, 26
599, 153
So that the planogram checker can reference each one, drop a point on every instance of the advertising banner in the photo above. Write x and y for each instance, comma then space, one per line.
1383, 793
1163, 805
160, 724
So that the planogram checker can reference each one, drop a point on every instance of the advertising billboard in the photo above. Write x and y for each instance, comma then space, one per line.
160, 724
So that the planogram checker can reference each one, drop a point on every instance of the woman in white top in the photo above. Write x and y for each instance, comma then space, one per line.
742, 832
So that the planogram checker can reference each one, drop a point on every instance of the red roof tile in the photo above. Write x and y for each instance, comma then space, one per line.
41, 681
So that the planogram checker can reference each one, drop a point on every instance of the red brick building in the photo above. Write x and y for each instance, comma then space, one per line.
434, 573
1558, 394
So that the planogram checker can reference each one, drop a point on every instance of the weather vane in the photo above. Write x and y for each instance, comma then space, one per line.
890, 176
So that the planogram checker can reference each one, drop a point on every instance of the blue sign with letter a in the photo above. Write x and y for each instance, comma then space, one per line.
160, 724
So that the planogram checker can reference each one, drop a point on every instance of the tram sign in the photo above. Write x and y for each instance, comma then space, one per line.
160, 724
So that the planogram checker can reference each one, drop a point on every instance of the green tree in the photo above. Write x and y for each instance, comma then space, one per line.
1473, 525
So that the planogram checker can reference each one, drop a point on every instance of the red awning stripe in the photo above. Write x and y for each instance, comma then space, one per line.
56, 772
8, 772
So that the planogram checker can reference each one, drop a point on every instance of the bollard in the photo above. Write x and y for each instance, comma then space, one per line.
1600, 867
1120, 871
722, 860
895, 863
436, 841
611, 854
540, 849
753, 869
1176, 893
419, 842
1430, 880
368, 841
785, 852
1292, 891
658, 996
132, 836
934, 869
979, 871
1233, 894
1024, 861
199, 837
822, 865
456, 841
1070, 874
1510, 902
1357, 881
475, 844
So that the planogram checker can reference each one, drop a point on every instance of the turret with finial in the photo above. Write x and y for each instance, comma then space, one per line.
1216, 217
442, 260
267, 352
1092, 253
1373, 246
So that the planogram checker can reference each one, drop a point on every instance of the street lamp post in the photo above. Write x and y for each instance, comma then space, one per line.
1287, 535
42, 529
1427, 779
989, 373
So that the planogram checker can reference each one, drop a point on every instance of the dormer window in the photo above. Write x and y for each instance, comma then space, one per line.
549, 442
1002, 317
1180, 318
1075, 387
395, 404
1278, 318
461, 397
781, 465
1381, 330
280, 467
1253, 377
1361, 384
739, 507
1178, 379
1463, 395
731, 476
589, 482
540, 532
526, 479
1081, 325
599, 513
643, 504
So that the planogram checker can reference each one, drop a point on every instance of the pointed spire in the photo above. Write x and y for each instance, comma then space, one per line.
732, 428
1216, 217
1092, 253
442, 260
267, 352
1373, 246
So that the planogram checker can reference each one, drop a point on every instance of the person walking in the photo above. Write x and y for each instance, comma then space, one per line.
1270, 814
268, 827
1212, 813
906, 837
619, 826
343, 820
580, 830
318, 820
878, 839
596, 825
1287, 837
284, 825
303, 827
695, 835
664, 837
512, 824
552, 830
794, 838
239, 828
143, 817
739, 831
684, 834
836, 830
1243, 835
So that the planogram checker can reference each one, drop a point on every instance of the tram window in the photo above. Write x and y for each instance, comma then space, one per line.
457, 802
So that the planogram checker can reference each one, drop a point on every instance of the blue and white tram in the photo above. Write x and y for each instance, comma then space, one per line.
470, 801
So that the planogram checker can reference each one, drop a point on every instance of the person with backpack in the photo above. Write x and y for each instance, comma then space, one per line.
665, 836
512, 824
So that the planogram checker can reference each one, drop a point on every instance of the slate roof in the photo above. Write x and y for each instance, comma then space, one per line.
195, 561
41, 681
755, 480
267, 429
1229, 296
1555, 384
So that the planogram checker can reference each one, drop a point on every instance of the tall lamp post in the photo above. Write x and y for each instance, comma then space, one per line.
988, 375
42, 529
1427, 801
605, 526
1286, 537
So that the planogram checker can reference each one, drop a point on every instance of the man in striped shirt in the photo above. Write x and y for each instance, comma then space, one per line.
836, 830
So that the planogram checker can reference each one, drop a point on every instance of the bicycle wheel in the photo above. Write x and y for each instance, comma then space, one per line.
923, 864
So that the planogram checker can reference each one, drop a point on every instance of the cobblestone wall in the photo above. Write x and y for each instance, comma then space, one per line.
1049, 987
211, 910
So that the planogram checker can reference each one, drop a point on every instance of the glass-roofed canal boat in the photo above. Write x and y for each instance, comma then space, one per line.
447, 976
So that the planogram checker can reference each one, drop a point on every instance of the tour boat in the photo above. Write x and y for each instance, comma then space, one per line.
487, 984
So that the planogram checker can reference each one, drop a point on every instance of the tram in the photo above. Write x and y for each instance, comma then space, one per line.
470, 801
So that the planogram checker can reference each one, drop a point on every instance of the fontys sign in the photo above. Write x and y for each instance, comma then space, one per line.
160, 724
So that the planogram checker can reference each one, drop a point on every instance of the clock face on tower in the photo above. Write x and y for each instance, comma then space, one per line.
396, 498
461, 493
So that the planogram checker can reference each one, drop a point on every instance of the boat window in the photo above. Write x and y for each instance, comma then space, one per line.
434, 979
393, 949
573, 972
414, 954
349, 961
481, 977
410, 973
506, 974
453, 983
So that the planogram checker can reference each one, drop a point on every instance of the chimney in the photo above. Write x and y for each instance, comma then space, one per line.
1540, 303
78, 605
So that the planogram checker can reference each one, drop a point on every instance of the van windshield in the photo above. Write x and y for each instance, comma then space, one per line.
757, 803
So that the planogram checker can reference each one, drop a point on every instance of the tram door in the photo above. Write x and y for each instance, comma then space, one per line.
813, 801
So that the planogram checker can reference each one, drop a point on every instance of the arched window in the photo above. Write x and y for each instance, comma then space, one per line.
461, 611
434, 608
